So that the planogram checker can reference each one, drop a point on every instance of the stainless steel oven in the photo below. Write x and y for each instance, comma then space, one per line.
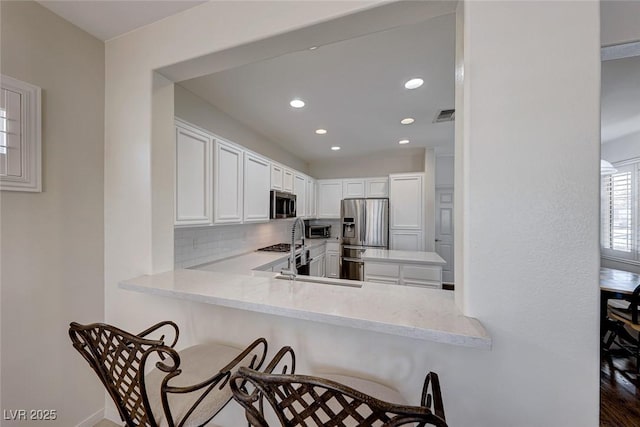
283, 205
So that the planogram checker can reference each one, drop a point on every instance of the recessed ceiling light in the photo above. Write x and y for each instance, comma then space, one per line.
403, 141
321, 131
297, 103
335, 148
413, 83
407, 121
313, 47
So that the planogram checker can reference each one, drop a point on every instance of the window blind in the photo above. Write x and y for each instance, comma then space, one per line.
620, 237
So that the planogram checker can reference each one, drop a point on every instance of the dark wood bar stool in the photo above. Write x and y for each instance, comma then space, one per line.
186, 388
626, 317
302, 400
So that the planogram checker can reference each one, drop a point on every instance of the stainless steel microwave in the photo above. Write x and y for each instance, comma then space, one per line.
318, 231
283, 205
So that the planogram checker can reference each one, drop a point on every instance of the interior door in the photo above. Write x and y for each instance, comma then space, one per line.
444, 230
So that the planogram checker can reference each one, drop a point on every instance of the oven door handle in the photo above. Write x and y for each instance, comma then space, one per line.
356, 260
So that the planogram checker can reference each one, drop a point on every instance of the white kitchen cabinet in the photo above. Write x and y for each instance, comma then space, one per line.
228, 183
332, 260
377, 187
277, 176
405, 274
406, 202
353, 188
406, 240
329, 198
300, 190
311, 198
287, 180
193, 176
256, 188
316, 266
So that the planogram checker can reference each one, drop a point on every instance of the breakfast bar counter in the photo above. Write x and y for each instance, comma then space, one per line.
413, 312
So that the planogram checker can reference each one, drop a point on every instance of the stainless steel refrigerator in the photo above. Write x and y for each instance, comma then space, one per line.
365, 224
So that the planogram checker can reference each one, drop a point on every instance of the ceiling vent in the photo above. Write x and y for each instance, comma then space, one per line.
445, 116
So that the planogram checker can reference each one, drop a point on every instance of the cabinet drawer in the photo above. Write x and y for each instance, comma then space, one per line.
333, 246
421, 273
380, 269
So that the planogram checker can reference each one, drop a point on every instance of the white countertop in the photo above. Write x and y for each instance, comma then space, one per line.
408, 257
427, 314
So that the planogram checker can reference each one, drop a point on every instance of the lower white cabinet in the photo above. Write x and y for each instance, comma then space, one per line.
193, 176
257, 171
316, 267
332, 260
407, 274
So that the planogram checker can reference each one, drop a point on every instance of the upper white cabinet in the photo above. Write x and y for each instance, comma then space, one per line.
287, 180
311, 198
300, 190
256, 188
228, 183
329, 198
277, 177
353, 188
406, 201
377, 187
193, 176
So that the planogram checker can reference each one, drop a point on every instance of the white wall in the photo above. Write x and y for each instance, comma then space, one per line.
624, 148
52, 242
445, 171
381, 163
199, 112
536, 295
531, 205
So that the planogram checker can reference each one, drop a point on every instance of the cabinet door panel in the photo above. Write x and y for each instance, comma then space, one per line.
329, 198
377, 187
300, 190
276, 177
256, 188
287, 180
406, 240
193, 178
333, 264
228, 184
353, 188
406, 200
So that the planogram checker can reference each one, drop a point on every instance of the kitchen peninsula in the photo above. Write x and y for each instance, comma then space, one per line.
413, 312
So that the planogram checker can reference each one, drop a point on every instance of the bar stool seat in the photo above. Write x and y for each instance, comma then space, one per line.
182, 388
197, 363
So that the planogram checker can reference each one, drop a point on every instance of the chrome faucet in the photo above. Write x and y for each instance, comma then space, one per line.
293, 271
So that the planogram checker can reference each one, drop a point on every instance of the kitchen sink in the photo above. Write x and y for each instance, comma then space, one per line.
323, 281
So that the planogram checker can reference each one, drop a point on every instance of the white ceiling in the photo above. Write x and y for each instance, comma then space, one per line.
106, 19
353, 88
620, 112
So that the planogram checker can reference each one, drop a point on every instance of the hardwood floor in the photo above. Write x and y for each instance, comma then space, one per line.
619, 391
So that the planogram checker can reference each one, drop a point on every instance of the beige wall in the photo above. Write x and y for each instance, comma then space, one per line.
380, 163
52, 242
199, 112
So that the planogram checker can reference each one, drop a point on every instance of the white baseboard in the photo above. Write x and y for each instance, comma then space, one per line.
93, 419
111, 414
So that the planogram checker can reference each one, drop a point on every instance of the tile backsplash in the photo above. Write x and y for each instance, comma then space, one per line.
199, 245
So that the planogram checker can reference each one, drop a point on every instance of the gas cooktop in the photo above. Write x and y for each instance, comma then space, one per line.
280, 247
